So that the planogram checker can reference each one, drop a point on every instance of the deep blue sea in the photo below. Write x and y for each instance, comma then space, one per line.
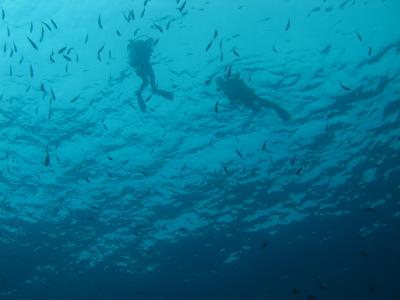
199, 149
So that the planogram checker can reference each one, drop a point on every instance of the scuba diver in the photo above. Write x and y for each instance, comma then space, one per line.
238, 92
139, 52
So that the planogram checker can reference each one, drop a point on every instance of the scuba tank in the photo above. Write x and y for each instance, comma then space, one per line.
140, 49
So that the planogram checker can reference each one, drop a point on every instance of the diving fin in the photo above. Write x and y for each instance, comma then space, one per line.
164, 94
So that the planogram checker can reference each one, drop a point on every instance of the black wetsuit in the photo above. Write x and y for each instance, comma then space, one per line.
238, 92
139, 58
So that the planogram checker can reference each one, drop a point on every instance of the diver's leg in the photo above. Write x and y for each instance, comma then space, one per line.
155, 90
152, 77
282, 113
142, 104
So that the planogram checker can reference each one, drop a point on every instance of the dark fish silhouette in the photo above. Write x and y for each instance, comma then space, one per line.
127, 18
42, 35
182, 7
322, 286
47, 26
295, 291
54, 24
158, 27
32, 43
99, 52
299, 171
238, 92
371, 288
74, 99
239, 153
216, 107
264, 146
62, 50
288, 25
99, 22
359, 37
182, 169
326, 50
264, 245
346, 88
209, 45
53, 95
225, 169
46, 161
369, 210
310, 297
293, 160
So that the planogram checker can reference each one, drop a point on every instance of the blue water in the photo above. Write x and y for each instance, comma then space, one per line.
251, 151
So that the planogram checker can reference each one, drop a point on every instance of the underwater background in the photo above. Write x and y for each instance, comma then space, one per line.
203, 196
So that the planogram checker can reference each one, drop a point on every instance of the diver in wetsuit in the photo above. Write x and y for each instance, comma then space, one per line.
139, 58
238, 92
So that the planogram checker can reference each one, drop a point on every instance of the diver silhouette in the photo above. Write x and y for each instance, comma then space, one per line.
139, 52
236, 90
